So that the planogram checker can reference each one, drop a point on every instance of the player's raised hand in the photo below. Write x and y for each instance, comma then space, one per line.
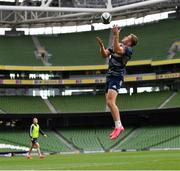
116, 29
99, 40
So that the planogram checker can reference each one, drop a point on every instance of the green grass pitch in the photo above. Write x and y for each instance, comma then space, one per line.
166, 160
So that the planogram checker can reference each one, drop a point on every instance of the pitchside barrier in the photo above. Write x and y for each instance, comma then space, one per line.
92, 119
87, 67
102, 80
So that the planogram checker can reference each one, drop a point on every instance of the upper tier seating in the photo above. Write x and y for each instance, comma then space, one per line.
22, 104
71, 49
17, 51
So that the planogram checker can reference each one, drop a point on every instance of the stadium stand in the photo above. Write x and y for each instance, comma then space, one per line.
92, 139
79, 103
84, 103
96, 103
87, 141
174, 102
177, 55
104, 139
86, 49
153, 137
6, 149
142, 100
81, 48
50, 144
155, 39
75, 48
96, 139
17, 51
22, 104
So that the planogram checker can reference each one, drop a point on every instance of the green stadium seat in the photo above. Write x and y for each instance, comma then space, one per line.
75, 48
174, 102
50, 144
96, 103
17, 51
145, 100
84, 103
72, 49
153, 137
155, 40
96, 139
92, 139
81, 103
23, 104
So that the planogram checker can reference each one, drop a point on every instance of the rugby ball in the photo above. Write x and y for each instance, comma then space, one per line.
106, 18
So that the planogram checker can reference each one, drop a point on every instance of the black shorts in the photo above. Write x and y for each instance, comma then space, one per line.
114, 83
34, 140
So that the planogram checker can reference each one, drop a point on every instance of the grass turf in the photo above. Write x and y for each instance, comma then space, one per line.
160, 160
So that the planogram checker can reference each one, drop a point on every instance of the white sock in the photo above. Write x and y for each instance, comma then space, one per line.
118, 124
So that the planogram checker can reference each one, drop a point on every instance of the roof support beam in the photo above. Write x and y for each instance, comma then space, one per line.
85, 10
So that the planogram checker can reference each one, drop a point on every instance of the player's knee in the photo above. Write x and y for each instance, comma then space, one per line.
110, 102
37, 145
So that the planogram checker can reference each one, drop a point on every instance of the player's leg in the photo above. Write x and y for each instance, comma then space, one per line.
38, 150
30, 150
111, 102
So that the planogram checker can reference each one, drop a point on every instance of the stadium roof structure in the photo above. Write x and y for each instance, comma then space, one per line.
35, 13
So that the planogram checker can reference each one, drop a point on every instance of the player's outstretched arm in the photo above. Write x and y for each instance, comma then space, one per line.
104, 52
117, 49
42, 133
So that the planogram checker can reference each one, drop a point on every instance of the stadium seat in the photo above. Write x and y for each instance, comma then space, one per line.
142, 100
151, 46
88, 103
75, 48
83, 103
17, 51
96, 139
50, 144
153, 137
92, 139
174, 102
22, 104
155, 39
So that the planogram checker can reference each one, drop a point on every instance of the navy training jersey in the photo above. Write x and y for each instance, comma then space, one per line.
118, 63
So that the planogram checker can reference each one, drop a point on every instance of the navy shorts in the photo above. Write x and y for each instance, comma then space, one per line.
114, 83
34, 140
